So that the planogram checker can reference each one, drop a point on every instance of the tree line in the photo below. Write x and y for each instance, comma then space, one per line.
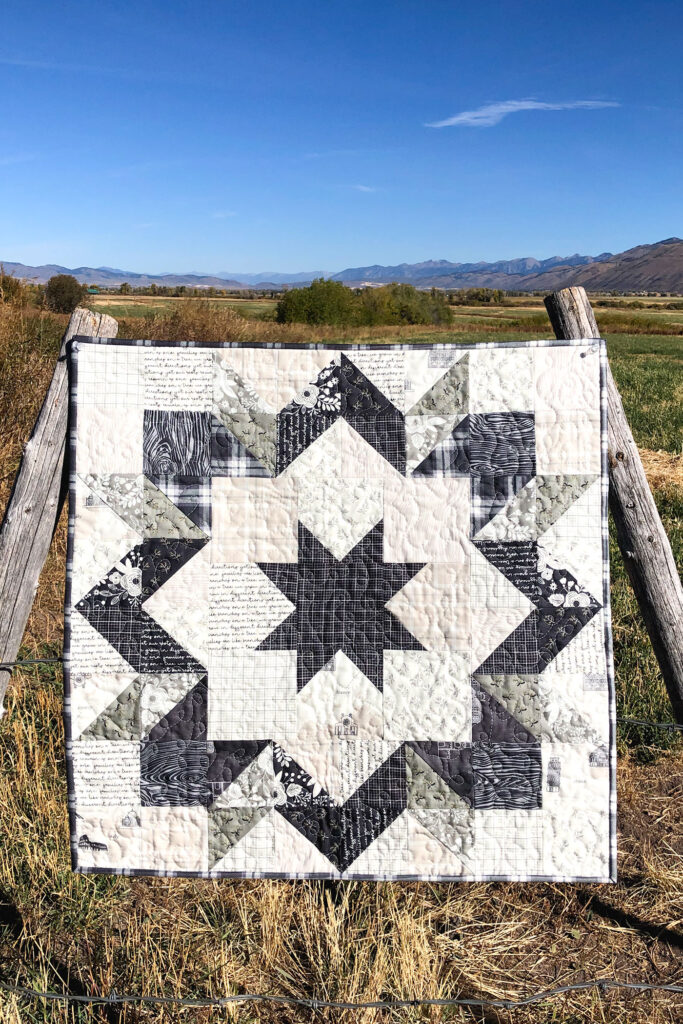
331, 302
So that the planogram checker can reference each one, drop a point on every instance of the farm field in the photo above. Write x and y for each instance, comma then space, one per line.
150, 305
518, 313
355, 941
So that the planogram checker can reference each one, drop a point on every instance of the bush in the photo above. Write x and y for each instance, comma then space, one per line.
12, 289
479, 296
63, 293
331, 302
402, 304
323, 302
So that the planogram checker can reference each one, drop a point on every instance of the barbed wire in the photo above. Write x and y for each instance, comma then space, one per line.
7, 666
114, 998
654, 725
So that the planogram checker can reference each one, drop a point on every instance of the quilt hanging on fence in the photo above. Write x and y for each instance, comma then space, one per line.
340, 612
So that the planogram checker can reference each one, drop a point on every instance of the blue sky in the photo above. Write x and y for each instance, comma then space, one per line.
225, 136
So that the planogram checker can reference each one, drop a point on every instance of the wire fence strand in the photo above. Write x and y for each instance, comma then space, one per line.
114, 998
7, 666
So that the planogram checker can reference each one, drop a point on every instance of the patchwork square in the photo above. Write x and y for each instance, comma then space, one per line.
339, 612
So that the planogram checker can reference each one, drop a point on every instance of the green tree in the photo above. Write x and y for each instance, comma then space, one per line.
63, 293
331, 302
12, 289
403, 304
323, 302
124, 288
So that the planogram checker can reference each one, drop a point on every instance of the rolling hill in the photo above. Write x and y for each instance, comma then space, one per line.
109, 277
646, 268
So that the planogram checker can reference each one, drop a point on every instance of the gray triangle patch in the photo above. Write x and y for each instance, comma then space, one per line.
555, 493
121, 719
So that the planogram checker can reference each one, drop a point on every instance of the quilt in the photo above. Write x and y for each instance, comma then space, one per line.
339, 612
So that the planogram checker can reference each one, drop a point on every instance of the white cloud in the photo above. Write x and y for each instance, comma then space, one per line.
493, 113
363, 188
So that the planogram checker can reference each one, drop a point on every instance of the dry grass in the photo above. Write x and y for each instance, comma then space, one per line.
203, 320
663, 469
355, 941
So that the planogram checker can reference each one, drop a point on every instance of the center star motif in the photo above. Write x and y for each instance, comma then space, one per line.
341, 605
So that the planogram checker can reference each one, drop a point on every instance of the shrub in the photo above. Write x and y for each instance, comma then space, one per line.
323, 302
478, 296
331, 302
402, 304
12, 289
63, 293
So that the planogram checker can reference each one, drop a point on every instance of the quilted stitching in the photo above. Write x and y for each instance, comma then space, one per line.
340, 613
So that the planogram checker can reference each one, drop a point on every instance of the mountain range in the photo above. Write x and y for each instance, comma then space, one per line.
656, 267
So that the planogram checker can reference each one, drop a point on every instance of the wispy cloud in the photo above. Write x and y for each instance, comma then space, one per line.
323, 154
15, 158
223, 214
71, 67
493, 113
148, 167
363, 188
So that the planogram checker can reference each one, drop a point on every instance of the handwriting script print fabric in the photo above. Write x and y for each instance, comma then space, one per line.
340, 612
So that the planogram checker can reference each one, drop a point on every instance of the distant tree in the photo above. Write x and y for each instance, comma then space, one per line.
478, 296
124, 288
323, 302
12, 289
63, 293
403, 304
331, 302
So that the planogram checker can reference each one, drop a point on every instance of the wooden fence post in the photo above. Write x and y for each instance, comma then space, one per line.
642, 540
37, 497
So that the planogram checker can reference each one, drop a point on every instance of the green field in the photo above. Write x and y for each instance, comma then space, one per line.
355, 941
151, 305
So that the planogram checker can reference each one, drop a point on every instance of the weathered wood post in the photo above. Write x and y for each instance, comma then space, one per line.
37, 497
642, 540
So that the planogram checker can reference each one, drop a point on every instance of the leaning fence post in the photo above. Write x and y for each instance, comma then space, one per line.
37, 497
642, 540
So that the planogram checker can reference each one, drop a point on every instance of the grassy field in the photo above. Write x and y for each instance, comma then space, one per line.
355, 941
526, 313
151, 305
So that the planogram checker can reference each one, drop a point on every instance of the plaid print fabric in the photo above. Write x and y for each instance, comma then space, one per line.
192, 495
229, 457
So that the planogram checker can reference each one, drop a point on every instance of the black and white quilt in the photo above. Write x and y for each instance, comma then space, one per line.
339, 612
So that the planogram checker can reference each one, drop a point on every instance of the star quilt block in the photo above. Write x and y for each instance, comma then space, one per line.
339, 612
